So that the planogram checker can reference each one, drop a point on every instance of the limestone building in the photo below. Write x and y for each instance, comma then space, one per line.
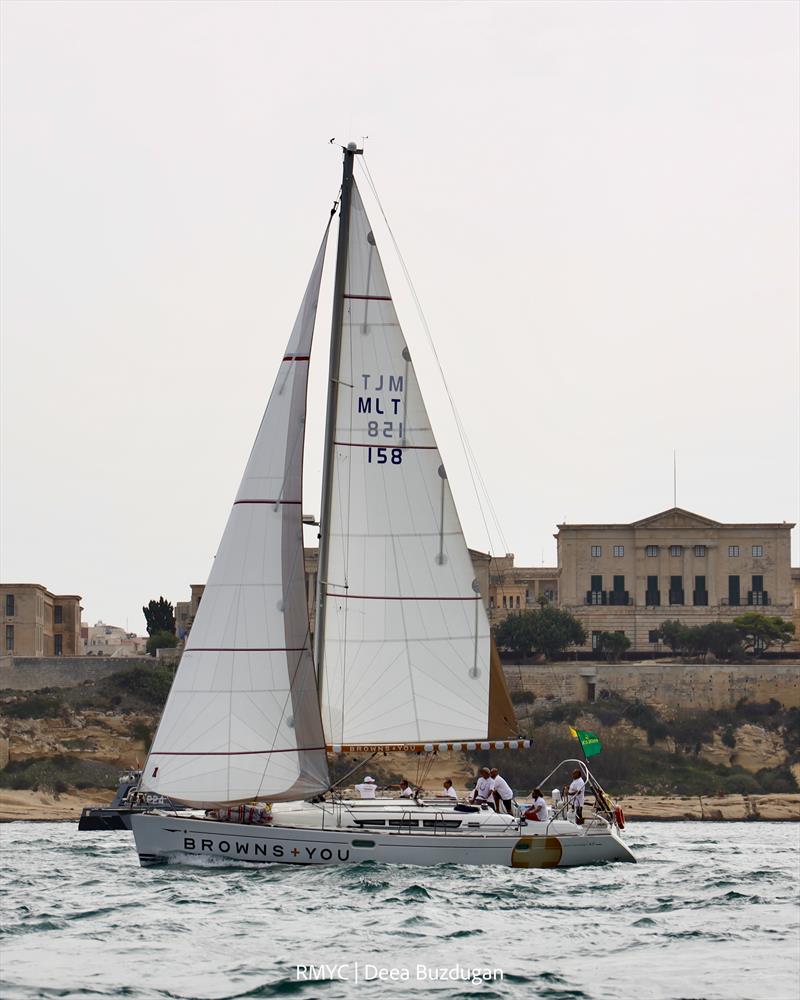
38, 623
675, 564
111, 640
514, 588
186, 610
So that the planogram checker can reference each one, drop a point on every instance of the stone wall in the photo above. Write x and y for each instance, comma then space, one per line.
29, 673
666, 685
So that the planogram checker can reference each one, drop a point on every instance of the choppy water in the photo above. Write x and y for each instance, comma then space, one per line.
711, 911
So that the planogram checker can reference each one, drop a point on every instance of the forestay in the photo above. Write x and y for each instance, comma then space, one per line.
242, 720
406, 638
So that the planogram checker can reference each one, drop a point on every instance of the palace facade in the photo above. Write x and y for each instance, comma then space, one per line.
672, 565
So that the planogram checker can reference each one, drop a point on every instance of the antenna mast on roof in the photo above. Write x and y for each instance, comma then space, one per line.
674, 479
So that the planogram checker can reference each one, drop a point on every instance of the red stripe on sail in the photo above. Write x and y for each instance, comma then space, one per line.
370, 298
385, 597
405, 447
296, 502
297, 357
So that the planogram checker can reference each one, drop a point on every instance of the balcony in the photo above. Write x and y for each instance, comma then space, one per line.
700, 598
757, 597
618, 597
676, 597
596, 597
652, 598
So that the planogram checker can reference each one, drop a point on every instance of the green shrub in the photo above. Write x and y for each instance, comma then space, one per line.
753, 711
150, 684
46, 772
741, 784
161, 640
776, 780
692, 727
523, 697
141, 731
35, 706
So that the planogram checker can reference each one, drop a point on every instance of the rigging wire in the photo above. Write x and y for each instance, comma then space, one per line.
353, 770
472, 462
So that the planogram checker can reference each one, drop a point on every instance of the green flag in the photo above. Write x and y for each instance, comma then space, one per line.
590, 743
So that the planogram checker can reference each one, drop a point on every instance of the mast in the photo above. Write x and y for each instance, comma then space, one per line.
350, 152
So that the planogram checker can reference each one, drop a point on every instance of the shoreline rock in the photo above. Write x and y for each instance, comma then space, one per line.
712, 808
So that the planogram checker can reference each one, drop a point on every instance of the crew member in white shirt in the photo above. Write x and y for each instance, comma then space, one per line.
367, 788
575, 793
406, 791
538, 807
502, 792
449, 791
482, 793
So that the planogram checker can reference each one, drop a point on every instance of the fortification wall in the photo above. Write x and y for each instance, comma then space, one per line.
666, 685
29, 673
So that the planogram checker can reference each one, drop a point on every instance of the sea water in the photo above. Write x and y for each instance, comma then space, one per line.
711, 910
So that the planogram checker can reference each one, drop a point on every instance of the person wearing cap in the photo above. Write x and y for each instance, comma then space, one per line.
501, 790
367, 788
482, 793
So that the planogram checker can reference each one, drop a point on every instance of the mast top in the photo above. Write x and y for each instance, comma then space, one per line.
352, 147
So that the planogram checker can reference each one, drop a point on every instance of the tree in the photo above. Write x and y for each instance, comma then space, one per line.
758, 632
721, 639
673, 633
161, 640
548, 631
612, 645
160, 616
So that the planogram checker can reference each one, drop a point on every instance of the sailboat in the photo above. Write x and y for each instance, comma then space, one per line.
402, 657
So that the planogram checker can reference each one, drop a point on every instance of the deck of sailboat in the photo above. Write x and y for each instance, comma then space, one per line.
418, 816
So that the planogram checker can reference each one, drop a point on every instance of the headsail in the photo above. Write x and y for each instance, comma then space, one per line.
406, 638
502, 717
242, 720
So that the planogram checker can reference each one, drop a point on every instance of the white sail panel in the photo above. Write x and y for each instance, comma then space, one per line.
242, 720
406, 643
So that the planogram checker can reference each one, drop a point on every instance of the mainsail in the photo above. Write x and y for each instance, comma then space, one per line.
405, 644
242, 720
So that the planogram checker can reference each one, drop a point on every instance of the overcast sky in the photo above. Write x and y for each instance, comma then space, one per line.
597, 203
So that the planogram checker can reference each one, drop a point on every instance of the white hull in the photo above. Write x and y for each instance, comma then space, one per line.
163, 839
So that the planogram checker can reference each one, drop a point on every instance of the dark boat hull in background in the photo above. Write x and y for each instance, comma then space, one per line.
94, 818
126, 803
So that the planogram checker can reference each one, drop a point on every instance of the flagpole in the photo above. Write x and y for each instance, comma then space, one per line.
596, 788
